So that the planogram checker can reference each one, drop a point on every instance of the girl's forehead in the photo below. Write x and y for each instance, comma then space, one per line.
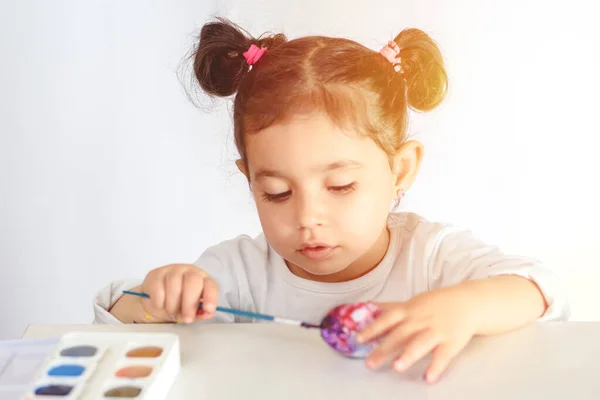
311, 131
309, 142
305, 134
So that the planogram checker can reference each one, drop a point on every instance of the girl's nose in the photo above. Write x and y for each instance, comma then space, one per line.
309, 213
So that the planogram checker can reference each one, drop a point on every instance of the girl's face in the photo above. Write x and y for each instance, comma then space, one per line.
323, 196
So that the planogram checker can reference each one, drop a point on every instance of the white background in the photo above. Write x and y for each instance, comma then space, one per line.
107, 170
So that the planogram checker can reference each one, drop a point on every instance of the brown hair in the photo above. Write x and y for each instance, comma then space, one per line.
354, 85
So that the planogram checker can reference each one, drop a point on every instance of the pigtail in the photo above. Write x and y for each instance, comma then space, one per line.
422, 69
218, 61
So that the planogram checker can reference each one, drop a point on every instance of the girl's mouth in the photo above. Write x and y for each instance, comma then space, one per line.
317, 252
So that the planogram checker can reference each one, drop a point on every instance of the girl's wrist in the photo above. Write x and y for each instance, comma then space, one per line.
130, 310
142, 316
502, 303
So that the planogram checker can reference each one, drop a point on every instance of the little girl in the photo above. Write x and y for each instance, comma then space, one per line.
320, 126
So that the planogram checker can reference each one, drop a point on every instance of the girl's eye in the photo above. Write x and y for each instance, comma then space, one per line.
283, 196
343, 189
278, 197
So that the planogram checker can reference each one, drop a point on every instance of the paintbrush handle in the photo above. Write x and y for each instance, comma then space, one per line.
241, 313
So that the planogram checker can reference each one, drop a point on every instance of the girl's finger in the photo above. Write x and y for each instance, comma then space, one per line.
387, 306
418, 347
382, 324
442, 356
193, 285
392, 344
173, 288
210, 296
154, 286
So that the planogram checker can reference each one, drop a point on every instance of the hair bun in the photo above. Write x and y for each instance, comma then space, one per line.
219, 62
423, 69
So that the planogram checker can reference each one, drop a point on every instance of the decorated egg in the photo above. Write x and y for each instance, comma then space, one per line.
341, 325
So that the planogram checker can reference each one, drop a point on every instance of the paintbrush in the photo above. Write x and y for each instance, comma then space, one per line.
245, 313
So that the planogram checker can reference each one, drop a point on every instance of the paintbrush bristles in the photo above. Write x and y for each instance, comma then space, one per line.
295, 322
310, 326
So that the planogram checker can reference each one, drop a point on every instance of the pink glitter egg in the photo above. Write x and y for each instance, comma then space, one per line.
341, 324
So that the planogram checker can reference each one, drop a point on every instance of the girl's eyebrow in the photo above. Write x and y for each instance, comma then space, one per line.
263, 173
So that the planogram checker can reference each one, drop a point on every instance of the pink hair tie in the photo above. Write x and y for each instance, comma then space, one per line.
391, 52
254, 54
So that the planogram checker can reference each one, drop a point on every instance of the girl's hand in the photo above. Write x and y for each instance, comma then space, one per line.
440, 321
175, 293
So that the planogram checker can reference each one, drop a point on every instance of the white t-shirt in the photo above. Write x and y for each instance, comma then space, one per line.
421, 256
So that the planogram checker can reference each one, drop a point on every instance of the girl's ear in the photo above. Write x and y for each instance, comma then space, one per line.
407, 162
240, 165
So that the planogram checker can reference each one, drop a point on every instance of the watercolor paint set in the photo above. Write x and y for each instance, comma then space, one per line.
141, 366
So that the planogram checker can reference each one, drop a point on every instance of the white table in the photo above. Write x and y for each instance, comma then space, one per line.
268, 361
